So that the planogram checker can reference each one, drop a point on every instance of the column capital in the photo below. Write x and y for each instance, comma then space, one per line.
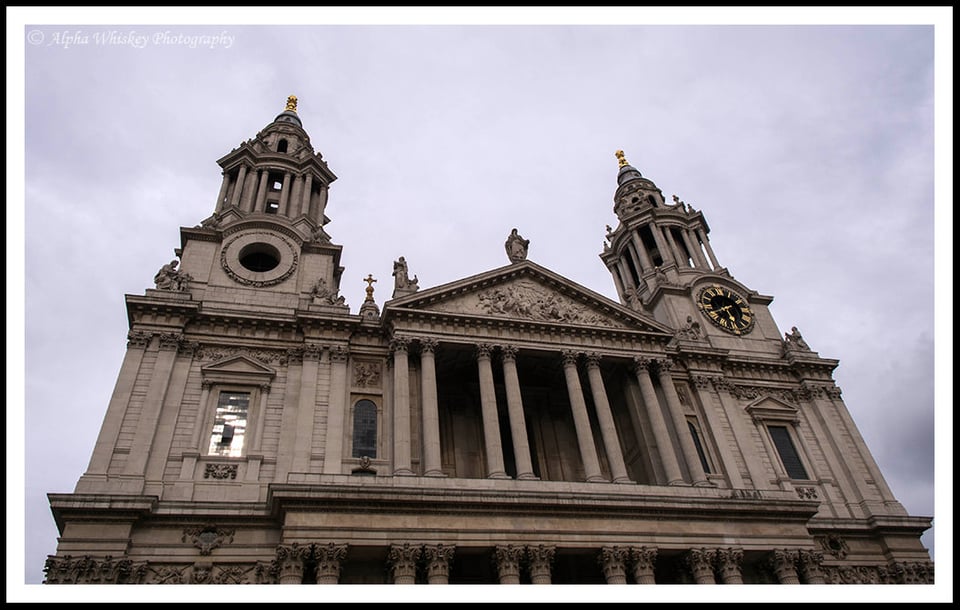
809, 563
664, 365
402, 559
339, 353
593, 359
540, 561
700, 562
399, 344
483, 351
728, 565
328, 558
437, 557
613, 562
507, 559
569, 356
138, 338
783, 563
312, 351
644, 559
170, 341
508, 352
428, 345
644, 363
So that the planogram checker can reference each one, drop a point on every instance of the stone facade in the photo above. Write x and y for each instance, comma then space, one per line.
510, 427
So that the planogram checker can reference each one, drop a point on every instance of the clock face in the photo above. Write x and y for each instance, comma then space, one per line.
726, 309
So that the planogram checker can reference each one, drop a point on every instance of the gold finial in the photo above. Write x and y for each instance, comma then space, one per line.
621, 158
291, 103
369, 280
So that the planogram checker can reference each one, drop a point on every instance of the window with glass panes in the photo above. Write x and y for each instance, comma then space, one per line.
230, 424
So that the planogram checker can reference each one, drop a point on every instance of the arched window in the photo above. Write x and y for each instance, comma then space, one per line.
282, 146
365, 429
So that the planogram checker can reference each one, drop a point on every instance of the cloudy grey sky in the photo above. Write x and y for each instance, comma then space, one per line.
810, 150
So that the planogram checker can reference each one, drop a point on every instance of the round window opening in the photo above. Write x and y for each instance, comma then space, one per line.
259, 257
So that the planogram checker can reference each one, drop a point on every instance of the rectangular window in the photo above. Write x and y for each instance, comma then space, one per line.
230, 424
700, 452
788, 453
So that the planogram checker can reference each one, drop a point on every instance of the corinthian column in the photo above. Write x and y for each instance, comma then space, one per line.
290, 560
518, 426
491, 421
687, 446
429, 410
783, 563
401, 408
508, 560
643, 561
668, 456
438, 558
613, 561
608, 430
700, 562
588, 451
728, 564
402, 560
809, 562
540, 561
329, 558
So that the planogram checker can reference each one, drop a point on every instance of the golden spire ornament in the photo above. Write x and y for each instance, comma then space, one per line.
291, 103
622, 159
369, 280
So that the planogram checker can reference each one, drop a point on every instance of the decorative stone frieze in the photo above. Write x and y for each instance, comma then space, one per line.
207, 537
540, 563
806, 493
437, 558
402, 561
220, 471
92, 570
507, 559
264, 356
644, 560
528, 300
613, 562
166, 575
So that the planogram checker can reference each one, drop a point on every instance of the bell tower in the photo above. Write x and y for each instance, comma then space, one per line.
662, 263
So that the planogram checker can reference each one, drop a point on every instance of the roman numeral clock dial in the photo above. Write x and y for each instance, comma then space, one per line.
726, 309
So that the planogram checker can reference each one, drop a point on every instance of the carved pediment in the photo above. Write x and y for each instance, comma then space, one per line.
525, 291
237, 369
769, 407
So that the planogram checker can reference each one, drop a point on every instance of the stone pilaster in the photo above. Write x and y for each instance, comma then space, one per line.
687, 446
507, 559
644, 559
402, 560
438, 557
540, 563
336, 410
613, 562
